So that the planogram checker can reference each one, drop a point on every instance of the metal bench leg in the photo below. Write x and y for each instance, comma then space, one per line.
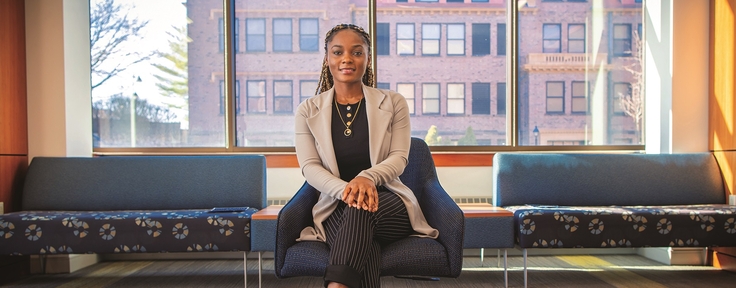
525, 268
505, 270
260, 268
481, 256
42, 261
245, 269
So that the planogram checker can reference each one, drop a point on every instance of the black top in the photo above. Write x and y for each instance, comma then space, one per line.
352, 152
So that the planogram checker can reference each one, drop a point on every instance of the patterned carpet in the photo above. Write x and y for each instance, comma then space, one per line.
544, 271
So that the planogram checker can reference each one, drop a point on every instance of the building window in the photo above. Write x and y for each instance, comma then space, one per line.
282, 35
282, 96
221, 34
455, 98
237, 34
455, 1
255, 35
501, 41
307, 88
383, 39
481, 39
551, 38
256, 95
576, 38
555, 97
222, 97
383, 85
309, 34
455, 39
481, 98
431, 98
579, 97
620, 90
621, 40
501, 98
638, 30
405, 39
407, 90
431, 39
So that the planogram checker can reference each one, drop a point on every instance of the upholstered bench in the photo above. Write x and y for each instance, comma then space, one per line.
614, 200
135, 204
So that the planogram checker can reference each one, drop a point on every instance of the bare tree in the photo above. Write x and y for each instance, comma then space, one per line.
173, 80
632, 104
110, 27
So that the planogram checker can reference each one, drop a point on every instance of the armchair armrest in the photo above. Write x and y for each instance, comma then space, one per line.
443, 214
292, 219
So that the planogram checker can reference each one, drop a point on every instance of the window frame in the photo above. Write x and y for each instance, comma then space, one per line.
425, 99
462, 39
412, 39
286, 36
437, 41
449, 99
410, 101
304, 37
570, 39
480, 47
626, 41
584, 96
248, 36
248, 97
548, 98
290, 98
485, 99
558, 39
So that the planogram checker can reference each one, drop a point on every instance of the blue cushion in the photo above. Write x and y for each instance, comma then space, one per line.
78, 232
624, 226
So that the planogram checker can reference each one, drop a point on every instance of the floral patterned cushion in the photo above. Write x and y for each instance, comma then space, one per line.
80, 232
624, 226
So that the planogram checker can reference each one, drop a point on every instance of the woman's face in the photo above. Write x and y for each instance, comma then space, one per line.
347, 57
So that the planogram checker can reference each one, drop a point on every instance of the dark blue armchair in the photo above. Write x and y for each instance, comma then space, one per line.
441, 257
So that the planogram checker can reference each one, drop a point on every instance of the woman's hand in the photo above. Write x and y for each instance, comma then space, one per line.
361, 193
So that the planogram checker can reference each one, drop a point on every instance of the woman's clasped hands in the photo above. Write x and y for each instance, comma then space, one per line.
361, 193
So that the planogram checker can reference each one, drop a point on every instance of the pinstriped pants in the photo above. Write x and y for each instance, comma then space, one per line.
355, 237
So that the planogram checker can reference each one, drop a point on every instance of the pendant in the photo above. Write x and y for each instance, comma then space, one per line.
348, 109
349, 116
348, 133
349, 122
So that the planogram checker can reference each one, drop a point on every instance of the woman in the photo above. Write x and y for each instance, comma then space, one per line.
352, 143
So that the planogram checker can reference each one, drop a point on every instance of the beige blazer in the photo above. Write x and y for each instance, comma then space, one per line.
390, 132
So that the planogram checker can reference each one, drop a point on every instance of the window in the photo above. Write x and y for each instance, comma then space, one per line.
481, 98
638, 30
255, 35
551, 38
555, 97
222, 97
307, 88
501, 99
455, 98
282, 96
405, 39
256, 96
622, 40
579, 97
407, 90
455, 1
620, 91
309, 34
383, 39
383, 85
282, 35
221, 34
501, 41
576, 38
431, 98
237, 35
481, 39
455, 39
431, 39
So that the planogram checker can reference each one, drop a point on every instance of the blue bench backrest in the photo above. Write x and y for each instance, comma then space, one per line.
606, 179
145, 182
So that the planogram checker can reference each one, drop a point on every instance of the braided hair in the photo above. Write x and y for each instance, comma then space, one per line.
325, 77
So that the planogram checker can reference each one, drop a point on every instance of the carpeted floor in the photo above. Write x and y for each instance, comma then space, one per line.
544, 271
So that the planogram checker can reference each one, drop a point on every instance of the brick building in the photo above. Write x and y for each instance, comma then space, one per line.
447, 57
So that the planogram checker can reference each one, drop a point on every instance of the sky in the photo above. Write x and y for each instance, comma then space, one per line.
162, 16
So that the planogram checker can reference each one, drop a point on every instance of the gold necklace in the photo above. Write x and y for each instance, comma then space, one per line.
348, 132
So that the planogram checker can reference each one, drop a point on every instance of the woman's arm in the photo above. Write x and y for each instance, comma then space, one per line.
309, 157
